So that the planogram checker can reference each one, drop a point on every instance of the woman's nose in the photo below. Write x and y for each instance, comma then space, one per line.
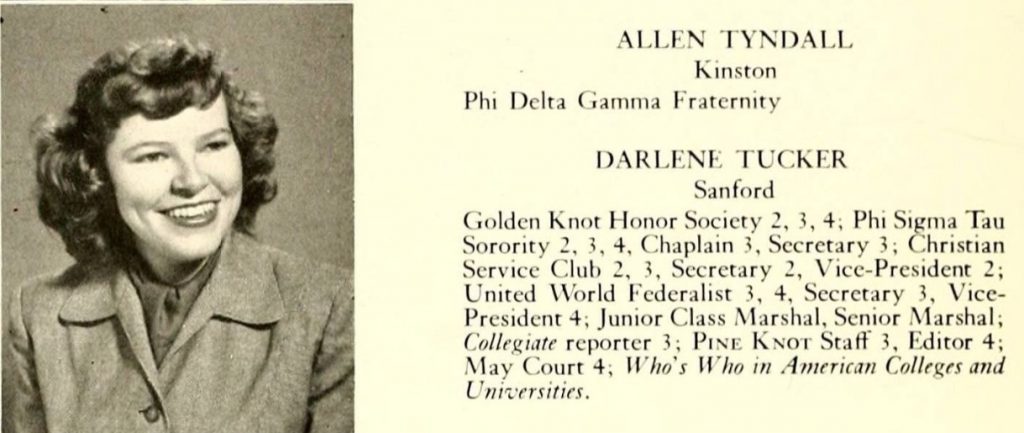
189, 180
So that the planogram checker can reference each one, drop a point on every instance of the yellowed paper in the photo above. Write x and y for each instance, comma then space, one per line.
907, 112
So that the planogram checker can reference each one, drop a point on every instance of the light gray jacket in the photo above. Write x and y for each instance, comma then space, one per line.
267, 347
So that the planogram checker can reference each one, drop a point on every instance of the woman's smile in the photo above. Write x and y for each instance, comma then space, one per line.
193, 215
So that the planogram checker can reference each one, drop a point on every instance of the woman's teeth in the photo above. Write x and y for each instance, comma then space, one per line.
191, 211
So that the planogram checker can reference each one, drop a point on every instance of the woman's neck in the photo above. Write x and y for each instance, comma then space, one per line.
168, 271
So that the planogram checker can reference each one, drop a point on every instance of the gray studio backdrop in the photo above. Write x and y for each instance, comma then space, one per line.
298, 56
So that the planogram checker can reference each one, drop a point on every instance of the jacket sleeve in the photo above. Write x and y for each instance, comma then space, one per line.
23, 407
333, 381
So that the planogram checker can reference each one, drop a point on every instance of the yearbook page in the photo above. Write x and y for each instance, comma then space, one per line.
689, 216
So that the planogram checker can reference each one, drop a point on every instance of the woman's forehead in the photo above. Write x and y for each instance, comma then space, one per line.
190, 124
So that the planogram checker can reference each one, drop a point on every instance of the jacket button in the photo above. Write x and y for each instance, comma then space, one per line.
152, 414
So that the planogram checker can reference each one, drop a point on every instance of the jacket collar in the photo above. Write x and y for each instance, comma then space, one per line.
92, 301
243, 288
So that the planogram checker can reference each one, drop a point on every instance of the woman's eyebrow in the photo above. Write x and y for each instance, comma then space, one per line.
203, 137
214, 133
134, 146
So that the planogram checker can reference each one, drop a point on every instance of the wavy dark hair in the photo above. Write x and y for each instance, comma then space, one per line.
157, 79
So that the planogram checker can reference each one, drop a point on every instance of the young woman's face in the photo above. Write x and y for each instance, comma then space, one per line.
178, 183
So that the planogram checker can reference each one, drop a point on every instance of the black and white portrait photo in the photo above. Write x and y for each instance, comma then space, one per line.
177, 218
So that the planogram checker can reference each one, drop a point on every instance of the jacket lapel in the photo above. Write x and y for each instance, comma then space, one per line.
243, 288
129, 313
90, 302
101, 299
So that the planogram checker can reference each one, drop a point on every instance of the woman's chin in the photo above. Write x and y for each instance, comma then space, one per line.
193, 251
180, 250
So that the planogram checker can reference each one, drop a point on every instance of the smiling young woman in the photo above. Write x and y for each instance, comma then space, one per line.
172, 315
178, 185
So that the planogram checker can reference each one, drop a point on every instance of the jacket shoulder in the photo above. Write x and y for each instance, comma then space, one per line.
300, 278
43, 296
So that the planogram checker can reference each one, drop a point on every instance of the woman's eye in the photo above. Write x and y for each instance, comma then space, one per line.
216, 145
151, 157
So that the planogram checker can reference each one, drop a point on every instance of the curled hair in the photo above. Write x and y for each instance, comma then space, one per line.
157, 79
